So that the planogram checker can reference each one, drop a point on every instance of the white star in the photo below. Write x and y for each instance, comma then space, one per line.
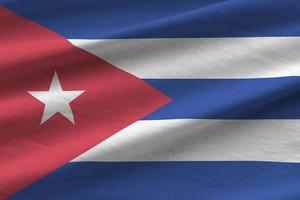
56, 100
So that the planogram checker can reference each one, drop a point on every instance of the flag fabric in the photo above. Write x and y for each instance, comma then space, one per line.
150, 99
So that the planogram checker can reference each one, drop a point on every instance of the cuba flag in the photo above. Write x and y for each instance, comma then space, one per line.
143, 100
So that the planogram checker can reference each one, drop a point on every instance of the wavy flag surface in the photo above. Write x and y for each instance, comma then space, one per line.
137, 99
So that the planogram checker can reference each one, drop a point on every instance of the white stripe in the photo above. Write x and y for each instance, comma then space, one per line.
202, 140
201, 57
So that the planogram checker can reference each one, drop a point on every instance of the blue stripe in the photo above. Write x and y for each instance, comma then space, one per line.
169, 180
163, 19
264, 98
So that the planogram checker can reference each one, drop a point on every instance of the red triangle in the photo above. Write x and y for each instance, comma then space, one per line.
30, 53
